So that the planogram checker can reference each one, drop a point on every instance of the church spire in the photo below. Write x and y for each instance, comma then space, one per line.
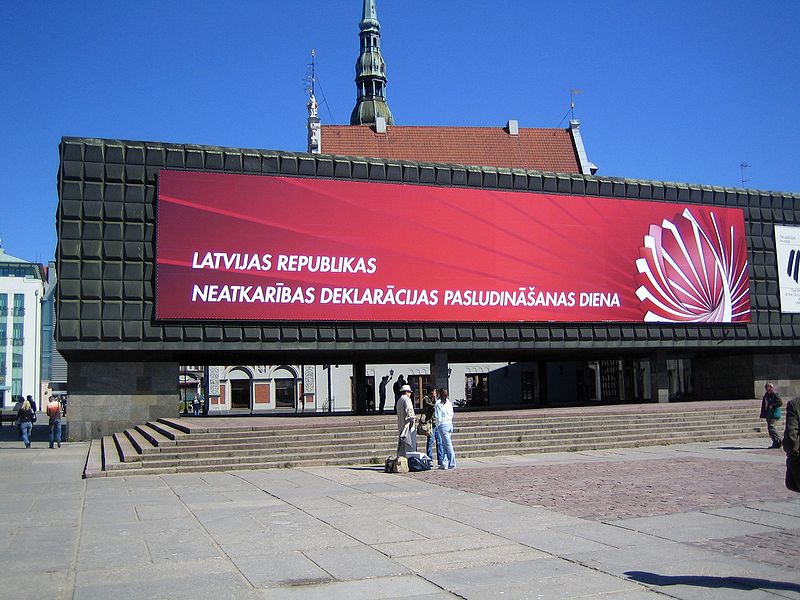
370, 72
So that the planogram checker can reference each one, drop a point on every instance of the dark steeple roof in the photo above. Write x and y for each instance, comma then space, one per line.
370, 72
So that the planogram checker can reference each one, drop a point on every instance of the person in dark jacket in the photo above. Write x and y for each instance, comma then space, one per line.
25, 420
791, 445
770, 410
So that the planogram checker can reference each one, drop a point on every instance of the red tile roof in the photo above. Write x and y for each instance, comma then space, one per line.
539, 149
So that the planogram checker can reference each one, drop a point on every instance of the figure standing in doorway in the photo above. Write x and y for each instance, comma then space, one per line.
382, 390
196, 405
398, 386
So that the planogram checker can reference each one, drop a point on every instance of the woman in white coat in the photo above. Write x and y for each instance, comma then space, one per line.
444, 427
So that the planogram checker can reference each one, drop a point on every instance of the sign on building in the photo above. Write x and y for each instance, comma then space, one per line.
291, 248
787, 249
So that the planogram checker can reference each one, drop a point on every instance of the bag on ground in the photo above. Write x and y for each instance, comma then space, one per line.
419, 462
400, 465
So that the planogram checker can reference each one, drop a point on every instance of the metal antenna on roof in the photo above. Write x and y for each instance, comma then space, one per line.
572, 94
312, 82
742, 167
571, 111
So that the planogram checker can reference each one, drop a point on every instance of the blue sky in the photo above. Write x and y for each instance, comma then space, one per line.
672, 91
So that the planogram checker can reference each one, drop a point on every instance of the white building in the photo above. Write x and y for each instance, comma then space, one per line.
21, 292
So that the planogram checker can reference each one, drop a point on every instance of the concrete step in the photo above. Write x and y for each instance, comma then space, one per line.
192, 445
210, 447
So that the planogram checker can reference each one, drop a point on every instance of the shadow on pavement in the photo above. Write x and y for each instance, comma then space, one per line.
743, 448
707, 581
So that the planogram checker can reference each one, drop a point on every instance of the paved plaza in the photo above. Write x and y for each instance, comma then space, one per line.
699, 521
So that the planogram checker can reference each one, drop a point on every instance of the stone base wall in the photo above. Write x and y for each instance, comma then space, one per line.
781, 369
106, 397
720, 377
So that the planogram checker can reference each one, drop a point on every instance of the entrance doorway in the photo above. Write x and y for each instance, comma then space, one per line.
285, 388
240, 389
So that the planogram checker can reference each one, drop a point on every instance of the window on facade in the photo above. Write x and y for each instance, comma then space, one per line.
18, 333
3, 305
528, 389
19, 305
679, 372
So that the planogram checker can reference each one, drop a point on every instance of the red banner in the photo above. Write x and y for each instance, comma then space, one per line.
247, 247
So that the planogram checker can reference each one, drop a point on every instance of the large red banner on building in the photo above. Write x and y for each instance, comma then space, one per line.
248, 247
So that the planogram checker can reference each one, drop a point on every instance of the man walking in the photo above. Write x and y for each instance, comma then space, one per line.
54, 413
791, 445
770, 410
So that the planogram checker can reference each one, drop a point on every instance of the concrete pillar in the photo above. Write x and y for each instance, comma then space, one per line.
109, 397
660, 376
440, 371
360, 387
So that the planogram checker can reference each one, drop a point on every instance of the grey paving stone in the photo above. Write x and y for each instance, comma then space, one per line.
474, 541
476, 558
48, 584
356, 562
282, 568
557, 542
383, 588
747, 514
691, 527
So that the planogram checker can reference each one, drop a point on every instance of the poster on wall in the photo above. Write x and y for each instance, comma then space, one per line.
787, 250
271, 248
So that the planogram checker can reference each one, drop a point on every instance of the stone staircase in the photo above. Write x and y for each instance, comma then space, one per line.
185, 445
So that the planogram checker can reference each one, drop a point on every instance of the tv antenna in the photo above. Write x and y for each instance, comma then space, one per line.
572, 94
742, 167
311, 83
571, 111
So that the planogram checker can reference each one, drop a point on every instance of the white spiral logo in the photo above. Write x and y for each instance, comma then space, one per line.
693, 272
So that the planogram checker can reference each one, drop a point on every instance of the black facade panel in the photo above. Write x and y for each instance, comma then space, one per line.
105, 257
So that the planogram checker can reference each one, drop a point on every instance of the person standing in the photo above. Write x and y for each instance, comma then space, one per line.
382, 390
54, 414
196, 405
770, 410
405, 422
791, 444
398, 387
25, 420
444, 427
428, 416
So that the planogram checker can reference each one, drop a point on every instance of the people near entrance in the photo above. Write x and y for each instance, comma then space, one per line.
18, 400
25, 417
397, 387
791, 444
771, 411
382, 390
443, 414
54, 424
405, 422
196, 405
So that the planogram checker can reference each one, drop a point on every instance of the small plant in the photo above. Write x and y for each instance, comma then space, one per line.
374, 460
288, 465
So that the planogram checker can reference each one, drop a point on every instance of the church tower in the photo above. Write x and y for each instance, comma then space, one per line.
370, 72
